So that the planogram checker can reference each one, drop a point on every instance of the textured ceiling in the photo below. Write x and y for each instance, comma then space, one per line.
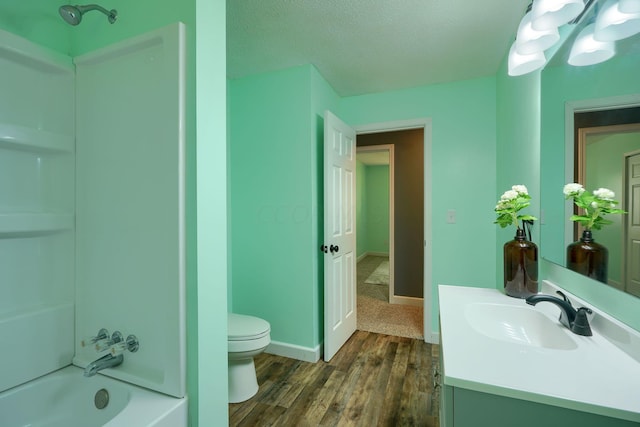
364, 46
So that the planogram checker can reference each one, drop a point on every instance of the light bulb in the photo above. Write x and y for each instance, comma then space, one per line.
612, 24
588, 51
629, 6
530, 41
519, 64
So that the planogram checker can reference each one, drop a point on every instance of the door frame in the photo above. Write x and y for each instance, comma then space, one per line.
429, 300
388, 148
624, 203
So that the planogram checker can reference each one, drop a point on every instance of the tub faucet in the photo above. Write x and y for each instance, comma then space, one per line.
575, 320
106, 361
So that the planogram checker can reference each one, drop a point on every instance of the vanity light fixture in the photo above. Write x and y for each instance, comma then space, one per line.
548, 14
629, 6
529, 41
520, 64
586, 50
612, 24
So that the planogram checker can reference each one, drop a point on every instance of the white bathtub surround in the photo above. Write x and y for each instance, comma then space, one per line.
130, 268
37, 236
41, 341
92, 231
65, 398
549, 365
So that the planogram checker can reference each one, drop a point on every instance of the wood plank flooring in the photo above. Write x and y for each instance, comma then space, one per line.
374, 380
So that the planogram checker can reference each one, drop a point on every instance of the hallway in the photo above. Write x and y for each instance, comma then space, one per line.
375, 314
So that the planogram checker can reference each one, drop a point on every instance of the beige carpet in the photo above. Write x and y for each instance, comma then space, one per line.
375, 314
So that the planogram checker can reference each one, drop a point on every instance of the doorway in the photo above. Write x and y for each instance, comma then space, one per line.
403, 312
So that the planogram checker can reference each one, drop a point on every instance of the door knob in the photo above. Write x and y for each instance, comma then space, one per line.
333, 248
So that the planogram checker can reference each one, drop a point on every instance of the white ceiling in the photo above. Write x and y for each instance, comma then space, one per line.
365, 46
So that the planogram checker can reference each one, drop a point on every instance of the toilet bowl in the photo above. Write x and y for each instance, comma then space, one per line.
247, 336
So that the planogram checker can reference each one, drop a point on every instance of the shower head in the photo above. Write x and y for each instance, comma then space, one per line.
73, 14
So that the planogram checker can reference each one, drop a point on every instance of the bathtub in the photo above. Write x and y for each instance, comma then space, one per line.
65, 398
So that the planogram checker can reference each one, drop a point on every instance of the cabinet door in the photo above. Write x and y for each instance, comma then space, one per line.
475, 409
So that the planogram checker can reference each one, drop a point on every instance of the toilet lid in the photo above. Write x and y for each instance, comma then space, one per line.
242, 327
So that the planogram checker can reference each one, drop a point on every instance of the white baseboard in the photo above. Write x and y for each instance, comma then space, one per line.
378, 253
398, 299
364, 255
294, 351
433, 338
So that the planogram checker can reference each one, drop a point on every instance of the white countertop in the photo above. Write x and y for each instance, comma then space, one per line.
594, 375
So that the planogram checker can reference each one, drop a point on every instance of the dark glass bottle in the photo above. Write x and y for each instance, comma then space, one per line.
520, 267
588, 258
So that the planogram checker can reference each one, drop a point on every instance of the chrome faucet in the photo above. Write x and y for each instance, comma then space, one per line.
106, 361
115, 344
575, 320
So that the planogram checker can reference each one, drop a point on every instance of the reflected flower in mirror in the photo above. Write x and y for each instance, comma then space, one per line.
594, 205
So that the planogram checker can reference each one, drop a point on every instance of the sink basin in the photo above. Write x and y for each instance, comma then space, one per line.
519, 325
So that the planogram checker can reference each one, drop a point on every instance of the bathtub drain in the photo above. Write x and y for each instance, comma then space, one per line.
101, 399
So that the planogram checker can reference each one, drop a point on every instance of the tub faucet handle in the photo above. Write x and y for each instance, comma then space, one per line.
131, 344
103, 335
103, 345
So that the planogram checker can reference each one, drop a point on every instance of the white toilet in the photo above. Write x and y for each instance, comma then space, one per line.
248, 336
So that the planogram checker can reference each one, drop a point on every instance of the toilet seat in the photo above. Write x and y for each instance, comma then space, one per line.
246, 328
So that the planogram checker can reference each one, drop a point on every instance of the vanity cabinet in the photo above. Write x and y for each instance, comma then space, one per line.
492, 379
460, 407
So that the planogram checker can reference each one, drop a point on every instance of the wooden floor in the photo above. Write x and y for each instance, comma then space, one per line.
374, 380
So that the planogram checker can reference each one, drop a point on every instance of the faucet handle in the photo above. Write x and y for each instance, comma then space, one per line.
103, 335
106, 344
131, 344
580, 325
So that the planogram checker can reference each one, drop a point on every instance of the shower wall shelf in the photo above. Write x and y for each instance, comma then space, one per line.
34, 223
28, 139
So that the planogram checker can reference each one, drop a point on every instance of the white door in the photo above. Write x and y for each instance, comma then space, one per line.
632, 261
339, 234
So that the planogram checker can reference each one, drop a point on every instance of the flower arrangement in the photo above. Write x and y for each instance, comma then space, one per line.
594, 205
510, 203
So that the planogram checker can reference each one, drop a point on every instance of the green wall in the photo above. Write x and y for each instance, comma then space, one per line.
462, 171
39, 21
518, 150
275, 169
377, 208
361, 203
373, 213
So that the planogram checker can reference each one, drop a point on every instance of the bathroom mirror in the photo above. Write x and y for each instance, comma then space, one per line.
568, 90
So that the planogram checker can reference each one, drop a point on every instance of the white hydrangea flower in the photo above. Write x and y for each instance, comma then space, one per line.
594, 205
520, 189
573, 188
604, 194
509, 195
